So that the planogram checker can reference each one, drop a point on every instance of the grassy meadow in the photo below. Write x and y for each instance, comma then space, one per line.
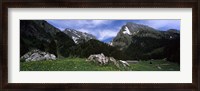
79, 64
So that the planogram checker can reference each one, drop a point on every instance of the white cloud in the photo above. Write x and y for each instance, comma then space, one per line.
105, 34
79, 23
99, 22
84, 30
157, 24
101, 34
60, 28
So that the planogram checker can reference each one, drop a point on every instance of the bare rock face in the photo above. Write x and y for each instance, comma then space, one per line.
103, 60
37, 55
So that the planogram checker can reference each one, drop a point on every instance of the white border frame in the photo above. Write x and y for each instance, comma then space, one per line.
17, 76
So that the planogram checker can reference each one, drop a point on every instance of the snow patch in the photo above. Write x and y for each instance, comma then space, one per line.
126, 31
111, 43
77, 35
75, 39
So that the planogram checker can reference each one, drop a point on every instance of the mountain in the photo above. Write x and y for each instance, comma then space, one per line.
143, 42
77, 36
39, 34
124, 36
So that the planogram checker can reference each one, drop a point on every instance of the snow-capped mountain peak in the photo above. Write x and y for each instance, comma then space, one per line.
78, 36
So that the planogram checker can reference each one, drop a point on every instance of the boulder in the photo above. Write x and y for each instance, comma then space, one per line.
114, 61
100, 58
125, 64
37, 55
53, 57
103, 60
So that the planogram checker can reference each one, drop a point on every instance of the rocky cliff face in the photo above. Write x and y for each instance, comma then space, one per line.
77, 36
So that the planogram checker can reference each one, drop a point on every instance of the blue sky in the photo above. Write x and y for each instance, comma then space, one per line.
106, 30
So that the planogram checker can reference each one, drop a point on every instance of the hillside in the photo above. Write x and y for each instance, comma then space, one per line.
143, 42
38, 34
94, 46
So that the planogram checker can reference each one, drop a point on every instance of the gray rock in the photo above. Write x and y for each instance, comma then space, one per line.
114, 61
125, 64
37, 55
28, 59
100, 58
103, 60
25, 56
47, 56
53, 57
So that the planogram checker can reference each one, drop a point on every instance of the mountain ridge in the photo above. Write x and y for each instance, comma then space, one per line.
132, 29
143, 42
77, 36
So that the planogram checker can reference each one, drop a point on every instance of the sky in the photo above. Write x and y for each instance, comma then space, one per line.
106, 30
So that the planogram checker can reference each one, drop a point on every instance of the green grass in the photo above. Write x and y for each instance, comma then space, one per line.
79, 64
164, 65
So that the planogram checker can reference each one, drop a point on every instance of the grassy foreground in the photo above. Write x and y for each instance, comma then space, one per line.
79, 64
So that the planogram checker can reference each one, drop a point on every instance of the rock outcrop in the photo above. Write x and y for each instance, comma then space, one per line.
103, 60
37, 55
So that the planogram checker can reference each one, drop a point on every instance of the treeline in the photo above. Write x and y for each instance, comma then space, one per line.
93, 46
143, 49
